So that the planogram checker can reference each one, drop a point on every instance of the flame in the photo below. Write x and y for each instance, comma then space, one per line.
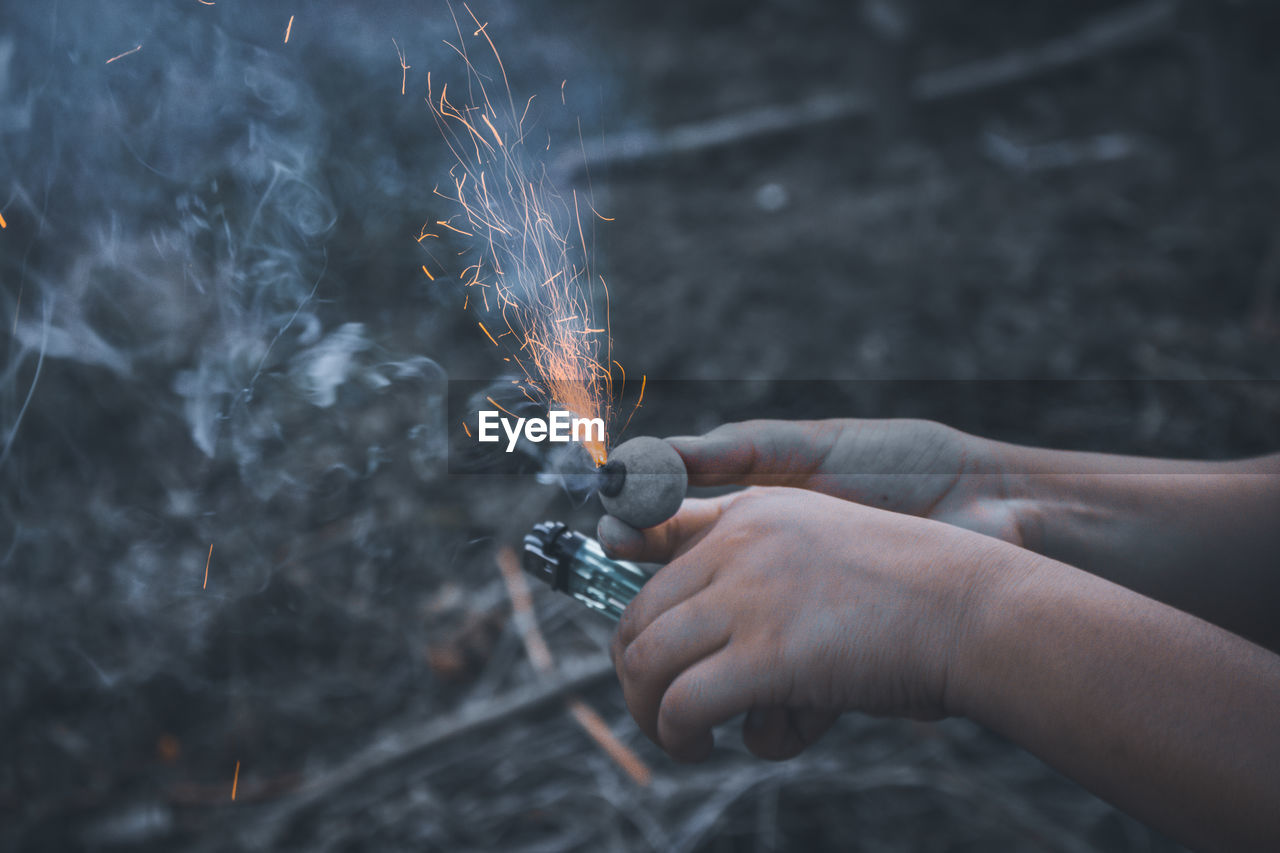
532, 263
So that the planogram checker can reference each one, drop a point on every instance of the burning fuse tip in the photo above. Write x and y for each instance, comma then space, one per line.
613, 476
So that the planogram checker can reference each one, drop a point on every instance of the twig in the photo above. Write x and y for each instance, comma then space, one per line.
540, 656
1125, 28
406, 745
522, 608
978, 794
1059, 154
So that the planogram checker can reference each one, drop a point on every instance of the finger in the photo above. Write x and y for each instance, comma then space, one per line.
776, 733
674, 583
713, 690
899, 465
666, 541
673, 642
759, 452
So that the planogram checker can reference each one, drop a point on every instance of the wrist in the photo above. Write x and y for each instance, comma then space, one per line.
989, 611
1060, 504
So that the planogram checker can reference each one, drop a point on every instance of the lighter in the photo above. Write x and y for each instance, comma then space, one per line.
576, 565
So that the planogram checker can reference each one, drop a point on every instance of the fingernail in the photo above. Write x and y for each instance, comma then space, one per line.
615, 535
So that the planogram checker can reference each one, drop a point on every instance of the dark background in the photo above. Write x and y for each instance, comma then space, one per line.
217, 331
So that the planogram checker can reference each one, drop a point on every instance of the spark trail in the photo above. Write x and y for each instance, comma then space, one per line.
529, 279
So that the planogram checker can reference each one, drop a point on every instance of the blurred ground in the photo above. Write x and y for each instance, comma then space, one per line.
218, 332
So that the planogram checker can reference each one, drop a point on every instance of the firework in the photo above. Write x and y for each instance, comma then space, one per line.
529, 279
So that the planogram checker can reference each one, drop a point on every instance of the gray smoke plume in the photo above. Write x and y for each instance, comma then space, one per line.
215, 334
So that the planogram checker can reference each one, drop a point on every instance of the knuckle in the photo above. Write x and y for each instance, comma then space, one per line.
677, 705
728, 430
757, 498
754, 513
934, 433
635, 662
616, 650
629, 624
742, 540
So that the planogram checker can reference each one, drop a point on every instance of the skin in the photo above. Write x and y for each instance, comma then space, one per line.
903, 568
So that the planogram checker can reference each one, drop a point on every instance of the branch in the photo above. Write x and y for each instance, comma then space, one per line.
1126, 28
540, 656
410, 743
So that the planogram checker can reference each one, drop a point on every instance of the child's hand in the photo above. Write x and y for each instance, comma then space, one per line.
916, 467
792, 606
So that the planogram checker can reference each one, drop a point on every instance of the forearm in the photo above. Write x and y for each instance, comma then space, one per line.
1201, 536
1168, 716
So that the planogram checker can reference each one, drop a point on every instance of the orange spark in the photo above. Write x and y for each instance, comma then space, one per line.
548, 297
208, 2
638, 402
466, 429
492, 47
428, 272
235, 780
404, 69
492, 128
3, 224
499, 405
288, 29
206, 567
459, 230
122, 55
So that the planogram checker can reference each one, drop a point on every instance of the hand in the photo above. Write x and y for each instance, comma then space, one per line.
916, 467
793, 607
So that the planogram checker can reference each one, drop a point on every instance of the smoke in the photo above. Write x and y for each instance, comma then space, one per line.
217, 333
203, 239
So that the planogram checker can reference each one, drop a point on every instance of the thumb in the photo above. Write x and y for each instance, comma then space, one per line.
758, 453
666, 541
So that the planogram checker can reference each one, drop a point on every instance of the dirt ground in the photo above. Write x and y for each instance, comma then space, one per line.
218, 333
